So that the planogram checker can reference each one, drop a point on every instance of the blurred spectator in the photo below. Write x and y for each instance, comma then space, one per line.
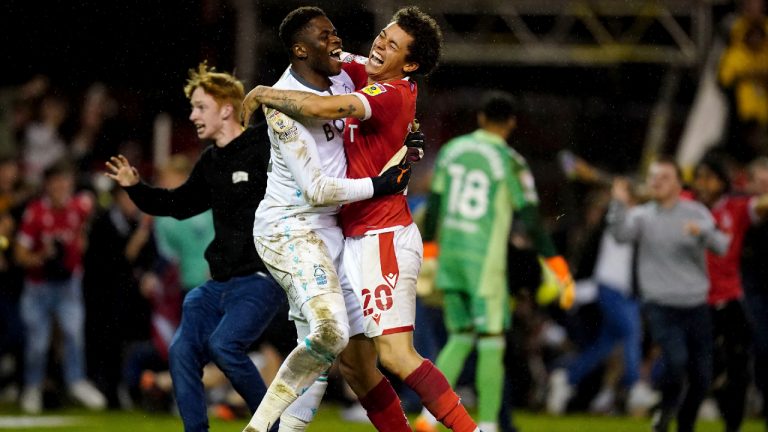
755, 280
184, 241
12, 197
732, 334
11, 330
744, 75
50, 246
24, 103
749, 12
43, 144
620, 325
672, 236
94, 141
120, 250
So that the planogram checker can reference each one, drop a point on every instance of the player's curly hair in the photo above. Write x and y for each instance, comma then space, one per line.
222, 86
427, 37
295, 22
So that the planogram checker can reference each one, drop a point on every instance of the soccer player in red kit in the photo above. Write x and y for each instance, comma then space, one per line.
734, 215
383, 248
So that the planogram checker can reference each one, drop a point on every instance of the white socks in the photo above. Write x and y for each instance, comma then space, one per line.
301, 412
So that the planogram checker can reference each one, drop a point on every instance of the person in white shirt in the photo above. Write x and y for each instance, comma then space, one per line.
295, 230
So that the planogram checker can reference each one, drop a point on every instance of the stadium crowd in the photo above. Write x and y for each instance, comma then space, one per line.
91, 288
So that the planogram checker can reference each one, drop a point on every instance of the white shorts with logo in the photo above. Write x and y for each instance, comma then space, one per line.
382, 267
307, 264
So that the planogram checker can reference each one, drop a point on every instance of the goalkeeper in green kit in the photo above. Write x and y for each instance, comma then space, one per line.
479, 182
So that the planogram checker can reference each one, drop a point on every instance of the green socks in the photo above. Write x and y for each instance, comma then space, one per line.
454, 353
489, 377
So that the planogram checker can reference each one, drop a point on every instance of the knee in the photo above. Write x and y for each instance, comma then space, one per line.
328, 339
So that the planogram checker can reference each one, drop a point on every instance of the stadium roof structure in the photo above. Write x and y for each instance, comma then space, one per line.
568, 32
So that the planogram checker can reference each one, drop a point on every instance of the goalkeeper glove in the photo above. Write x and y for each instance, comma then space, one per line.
559, 267
393, 180
415, 143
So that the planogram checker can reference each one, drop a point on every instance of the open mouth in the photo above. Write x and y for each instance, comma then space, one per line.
200, 128
335, 54
376, 59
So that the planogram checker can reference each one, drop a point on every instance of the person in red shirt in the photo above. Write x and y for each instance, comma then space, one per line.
734, 215
50, 246
383, 248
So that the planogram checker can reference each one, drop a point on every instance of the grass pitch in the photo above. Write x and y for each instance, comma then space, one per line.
328, 420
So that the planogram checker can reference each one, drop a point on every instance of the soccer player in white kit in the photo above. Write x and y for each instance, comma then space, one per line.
295, 230
383, 248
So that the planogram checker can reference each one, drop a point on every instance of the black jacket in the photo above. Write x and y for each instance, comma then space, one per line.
231, 181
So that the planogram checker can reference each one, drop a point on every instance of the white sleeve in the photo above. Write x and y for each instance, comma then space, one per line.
300, 154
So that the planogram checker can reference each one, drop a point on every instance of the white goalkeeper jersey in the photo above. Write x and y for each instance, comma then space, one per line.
306, 181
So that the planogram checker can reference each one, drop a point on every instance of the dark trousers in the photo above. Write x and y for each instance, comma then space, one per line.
732, 336
685, 338
756, 296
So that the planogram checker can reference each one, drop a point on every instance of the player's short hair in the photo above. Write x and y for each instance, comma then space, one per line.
497, 106
427, 37
222, 86
295, 22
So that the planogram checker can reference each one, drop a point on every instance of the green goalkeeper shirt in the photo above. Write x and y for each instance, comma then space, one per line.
481, 181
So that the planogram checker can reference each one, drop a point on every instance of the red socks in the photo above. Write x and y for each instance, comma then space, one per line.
383, 408
439, 398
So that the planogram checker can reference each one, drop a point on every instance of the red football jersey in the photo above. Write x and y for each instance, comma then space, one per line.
370, 143
43, 223
732, 215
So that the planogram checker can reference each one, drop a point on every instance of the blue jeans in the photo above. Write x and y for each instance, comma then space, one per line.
40, 302
621, 323
219, 321
685, 338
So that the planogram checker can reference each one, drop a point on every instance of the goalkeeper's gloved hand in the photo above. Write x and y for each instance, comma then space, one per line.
392, 181
559, 267
415, 143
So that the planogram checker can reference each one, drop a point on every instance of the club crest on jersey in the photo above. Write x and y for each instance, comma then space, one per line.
239, 176
374, 89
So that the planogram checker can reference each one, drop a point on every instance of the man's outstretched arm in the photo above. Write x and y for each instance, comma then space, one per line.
295, 103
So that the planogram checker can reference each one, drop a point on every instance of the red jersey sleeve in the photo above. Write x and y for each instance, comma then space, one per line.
383, 103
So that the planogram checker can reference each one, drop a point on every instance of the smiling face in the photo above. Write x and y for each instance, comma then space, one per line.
386, 61
321, 45
206, 114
